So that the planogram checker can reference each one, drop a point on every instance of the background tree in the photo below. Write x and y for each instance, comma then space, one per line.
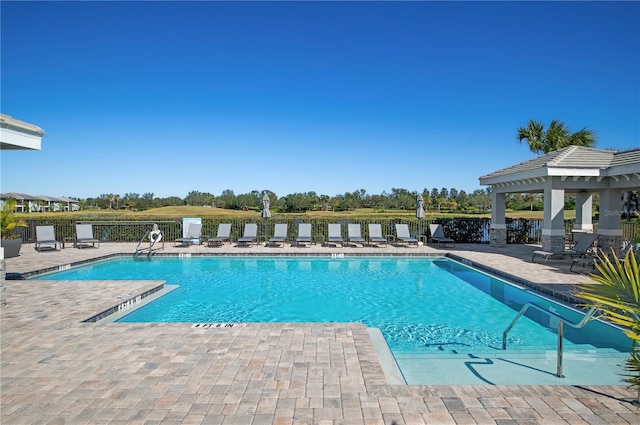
463, 199
104, 201
402, 198
195, 198
109, 197
444, 193
440, 199
146, 201
171, 201
88, 203
130, 200
397, 198
427, 198
557, 136
339, 203
534, 201
226, 199
299, 202
378, 201
514, 201
324, 202
480, 199
248, 201
434, 193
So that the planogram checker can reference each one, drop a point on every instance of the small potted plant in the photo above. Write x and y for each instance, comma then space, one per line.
11, 240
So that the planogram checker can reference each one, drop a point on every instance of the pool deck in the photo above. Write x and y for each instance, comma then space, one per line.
57, 369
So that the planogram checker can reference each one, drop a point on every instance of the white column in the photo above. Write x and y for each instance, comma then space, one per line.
498, 227
553, 232
609, 224
584, 212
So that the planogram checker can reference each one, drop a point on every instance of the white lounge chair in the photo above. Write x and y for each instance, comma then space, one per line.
335, 234
223, 235
84, 236
579, 250
46, 237
279, 235
354, 234
250, 234
375, 234
402, 232
437, 235
192, 236
304, 234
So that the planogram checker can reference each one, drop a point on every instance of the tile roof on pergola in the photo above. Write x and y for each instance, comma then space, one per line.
584, 167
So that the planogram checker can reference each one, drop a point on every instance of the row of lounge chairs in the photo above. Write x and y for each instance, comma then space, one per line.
45, 235
334, 236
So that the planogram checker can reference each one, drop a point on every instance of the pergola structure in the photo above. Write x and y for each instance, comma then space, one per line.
574, 169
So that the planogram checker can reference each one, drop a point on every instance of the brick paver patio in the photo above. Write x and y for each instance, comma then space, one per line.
55, 369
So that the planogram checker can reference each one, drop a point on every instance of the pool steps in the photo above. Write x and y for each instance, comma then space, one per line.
581, 350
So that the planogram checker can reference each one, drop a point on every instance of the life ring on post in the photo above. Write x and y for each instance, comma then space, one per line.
155, 235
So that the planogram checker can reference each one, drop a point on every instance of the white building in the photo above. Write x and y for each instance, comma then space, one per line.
40, 203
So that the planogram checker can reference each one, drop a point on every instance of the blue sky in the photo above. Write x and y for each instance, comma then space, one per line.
331, 97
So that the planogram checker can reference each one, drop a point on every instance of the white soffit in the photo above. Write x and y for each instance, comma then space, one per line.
16, 134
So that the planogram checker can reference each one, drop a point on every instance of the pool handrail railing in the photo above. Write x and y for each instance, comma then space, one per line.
561, 321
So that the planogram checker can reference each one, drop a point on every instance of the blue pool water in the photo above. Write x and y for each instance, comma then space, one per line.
420, 305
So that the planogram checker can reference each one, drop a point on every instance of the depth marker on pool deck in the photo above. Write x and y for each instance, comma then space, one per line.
218, 325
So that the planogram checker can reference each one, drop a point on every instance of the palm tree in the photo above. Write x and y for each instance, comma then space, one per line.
557, 136
324, 201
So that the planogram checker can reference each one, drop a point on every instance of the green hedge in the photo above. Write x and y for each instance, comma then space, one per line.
462, 230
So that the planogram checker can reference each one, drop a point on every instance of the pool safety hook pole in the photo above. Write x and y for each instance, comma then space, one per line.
560, 346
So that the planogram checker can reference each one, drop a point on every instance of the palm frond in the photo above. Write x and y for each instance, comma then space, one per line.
557, 136
584, 137
616, 291
632, 369
534, 134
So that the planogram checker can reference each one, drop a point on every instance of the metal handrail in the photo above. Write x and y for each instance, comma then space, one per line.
561, 321
149, 251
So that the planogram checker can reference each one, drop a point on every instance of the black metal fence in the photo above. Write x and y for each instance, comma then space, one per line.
462, 230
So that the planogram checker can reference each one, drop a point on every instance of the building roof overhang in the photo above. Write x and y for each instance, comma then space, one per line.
16, 134
575, 167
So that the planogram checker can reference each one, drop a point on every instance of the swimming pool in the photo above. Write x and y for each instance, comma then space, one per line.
422, 306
